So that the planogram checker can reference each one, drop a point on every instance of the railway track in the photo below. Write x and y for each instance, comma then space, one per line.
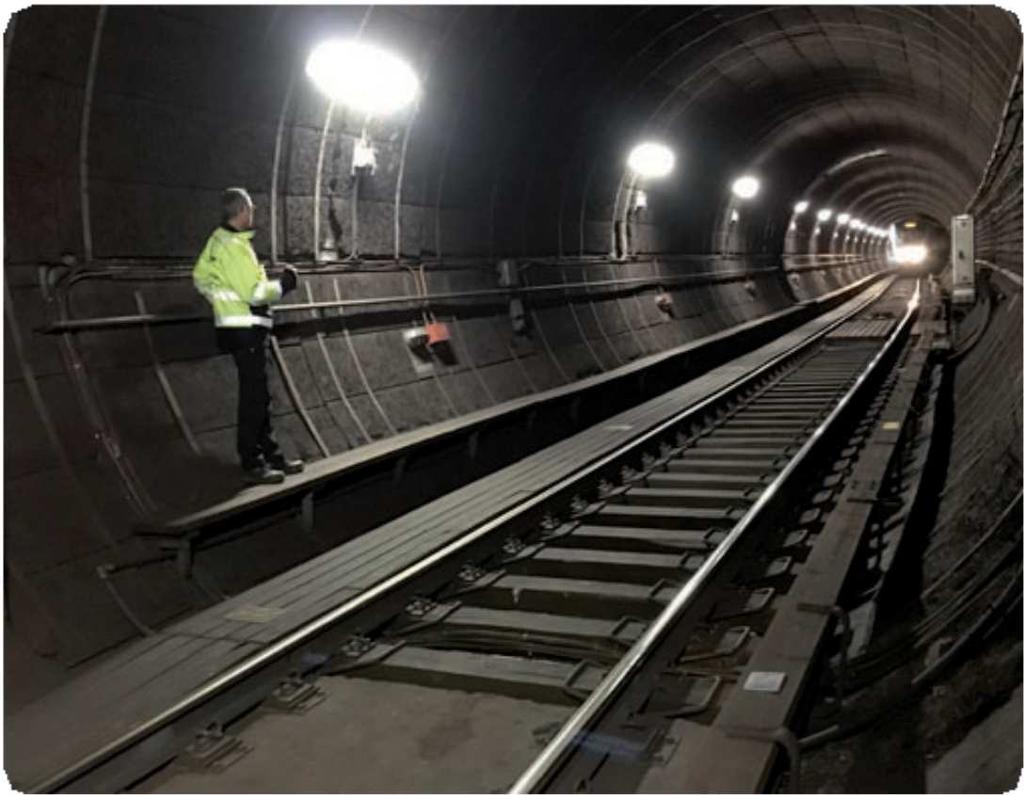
551, 610
568, 613
642, 580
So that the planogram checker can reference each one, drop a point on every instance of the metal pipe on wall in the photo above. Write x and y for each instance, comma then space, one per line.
632, 283
83, 135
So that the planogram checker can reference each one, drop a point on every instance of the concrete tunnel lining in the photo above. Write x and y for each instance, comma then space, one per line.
515, 150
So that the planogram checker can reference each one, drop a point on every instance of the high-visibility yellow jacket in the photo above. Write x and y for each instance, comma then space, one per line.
230, 277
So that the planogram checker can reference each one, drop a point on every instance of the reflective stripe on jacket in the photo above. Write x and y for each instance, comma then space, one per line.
230, 277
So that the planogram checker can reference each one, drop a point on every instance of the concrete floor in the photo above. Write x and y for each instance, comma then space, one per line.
989, 758
406, 739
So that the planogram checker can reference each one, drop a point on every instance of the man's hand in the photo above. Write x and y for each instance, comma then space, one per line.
289, 279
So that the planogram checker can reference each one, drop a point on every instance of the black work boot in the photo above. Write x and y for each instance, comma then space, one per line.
262, 473
289, 466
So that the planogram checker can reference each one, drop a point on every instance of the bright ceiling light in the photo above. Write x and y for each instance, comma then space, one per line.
746, 187
910, 224
800, 206
843, 219
910, 254
362, 77
856, 223
651, 160
824, 215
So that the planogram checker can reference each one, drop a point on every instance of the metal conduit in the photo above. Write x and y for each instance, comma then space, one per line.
636, 283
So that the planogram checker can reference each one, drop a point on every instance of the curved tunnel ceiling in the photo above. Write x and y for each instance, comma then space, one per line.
517, 145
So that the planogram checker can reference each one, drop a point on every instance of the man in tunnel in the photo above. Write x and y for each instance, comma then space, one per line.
231, 278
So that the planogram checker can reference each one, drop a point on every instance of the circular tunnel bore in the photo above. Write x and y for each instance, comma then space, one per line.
484, 268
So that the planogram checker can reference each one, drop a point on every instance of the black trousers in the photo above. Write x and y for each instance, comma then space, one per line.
248, 347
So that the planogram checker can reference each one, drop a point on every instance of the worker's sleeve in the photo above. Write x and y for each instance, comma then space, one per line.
267, 291
246, 278
203, 276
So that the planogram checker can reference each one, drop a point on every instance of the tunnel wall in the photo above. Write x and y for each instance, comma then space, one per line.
998, 203
117, 145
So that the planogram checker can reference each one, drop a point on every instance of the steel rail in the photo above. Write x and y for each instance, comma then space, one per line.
616, 680
271, 653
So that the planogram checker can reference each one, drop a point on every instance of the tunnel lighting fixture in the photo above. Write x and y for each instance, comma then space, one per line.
734, 217
362, 77
910, 224
824, 215
843, 219
856, 223
792, 226
746, 187
651, 160
913, 254
800, 206
856, 159
640, 200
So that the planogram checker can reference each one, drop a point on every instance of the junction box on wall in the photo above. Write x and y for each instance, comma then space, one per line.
364, 157
664, 302
428, 345
422, 338
961, 251
508, 276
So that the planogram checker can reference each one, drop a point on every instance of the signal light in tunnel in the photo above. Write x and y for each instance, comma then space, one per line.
746, 187
651, 159
362, 77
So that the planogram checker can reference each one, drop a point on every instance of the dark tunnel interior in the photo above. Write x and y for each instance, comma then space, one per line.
500, 207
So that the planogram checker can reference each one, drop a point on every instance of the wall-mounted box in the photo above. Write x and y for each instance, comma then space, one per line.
961, 254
